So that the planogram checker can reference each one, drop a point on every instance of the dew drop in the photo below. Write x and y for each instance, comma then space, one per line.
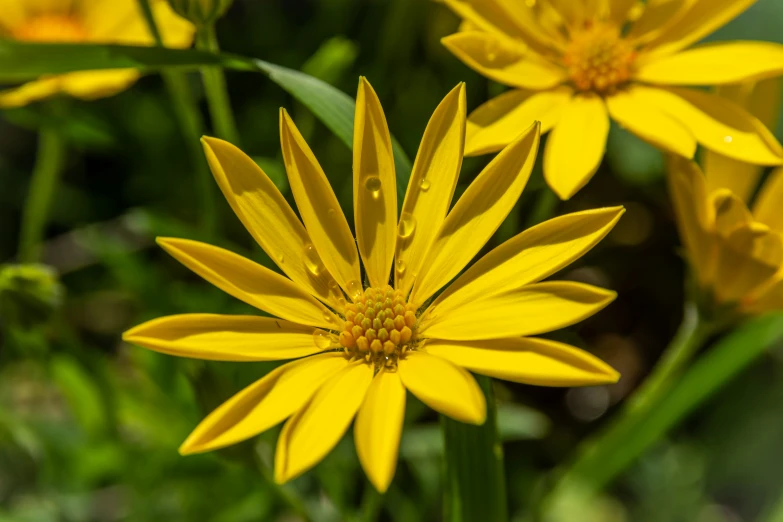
331, 213
312, 260
373, 184
322, 339
354, 288
424, 185
328, 317
400, 266
407, 225
728, 139
280, 258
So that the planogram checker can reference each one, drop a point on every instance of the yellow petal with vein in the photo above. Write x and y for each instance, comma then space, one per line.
576, 146
250, 282
263, 404
714, 64
268, 217
700, 18
319, 208
445, 388
478, 214
433, 179
528, 360
529, 310
374, 186
767, 208
504, 60
378, 428
225, 337
530, 256
650, 123
317, 428
496, 123
717, 123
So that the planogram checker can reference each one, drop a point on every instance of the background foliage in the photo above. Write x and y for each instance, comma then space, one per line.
89, 427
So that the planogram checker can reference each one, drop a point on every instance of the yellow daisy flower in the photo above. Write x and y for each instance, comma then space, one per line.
359, 347
575, 64
85, 21
734, 241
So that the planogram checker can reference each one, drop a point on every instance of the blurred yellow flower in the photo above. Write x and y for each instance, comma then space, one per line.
576, 64
85, 21
361, 346
736, 252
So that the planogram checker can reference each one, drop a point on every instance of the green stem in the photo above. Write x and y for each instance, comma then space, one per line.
544, 207
475, 479
191, 125
591, 470
49, 165
215, 88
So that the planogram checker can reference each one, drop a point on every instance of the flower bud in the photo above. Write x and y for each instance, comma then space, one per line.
201, 12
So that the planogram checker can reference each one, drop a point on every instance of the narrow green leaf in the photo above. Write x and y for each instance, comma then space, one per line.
25, 61
475, 479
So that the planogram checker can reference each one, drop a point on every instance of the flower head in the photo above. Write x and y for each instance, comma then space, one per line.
573, 65
362, 337
734, 241
86, 21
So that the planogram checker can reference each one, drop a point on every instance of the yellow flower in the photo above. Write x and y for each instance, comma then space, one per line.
735, 252
85, 21
575, 64
360, 348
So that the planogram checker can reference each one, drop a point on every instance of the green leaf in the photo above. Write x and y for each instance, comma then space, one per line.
722, 362
24, 61
475, 479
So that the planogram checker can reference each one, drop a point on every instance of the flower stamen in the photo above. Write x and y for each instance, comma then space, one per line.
598, 58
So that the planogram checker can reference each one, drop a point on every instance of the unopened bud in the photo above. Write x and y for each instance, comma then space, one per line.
201, 12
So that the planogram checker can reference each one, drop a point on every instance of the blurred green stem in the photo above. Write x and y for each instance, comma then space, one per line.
49, 163
544, 207
596, 450
191, 124
215, 88
475, 478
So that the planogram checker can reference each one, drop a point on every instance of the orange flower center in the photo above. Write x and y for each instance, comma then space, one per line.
379, 326
598, 58
50, 28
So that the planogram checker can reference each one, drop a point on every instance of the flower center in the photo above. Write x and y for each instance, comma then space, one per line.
598, 58
50, 28
379, 326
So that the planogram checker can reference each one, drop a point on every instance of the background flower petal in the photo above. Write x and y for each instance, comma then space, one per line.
767, 208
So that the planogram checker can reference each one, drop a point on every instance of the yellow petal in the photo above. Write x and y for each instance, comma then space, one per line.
92, 85
374, 186
431, 187
767, 208
762, 100
714, 64
225, 337
250, 282
445, 388
315, 429
266, 402
695, 218
747, 259
504, 60
30, 92
730, 212
268, 217
530, 256
650, 123
655, 19
378, 428
527, 360
528, 310
769, 298
576, 146
319, 208
619, 10
496, 123
122, 22
510, 18
477, 215
717, 123
701, 18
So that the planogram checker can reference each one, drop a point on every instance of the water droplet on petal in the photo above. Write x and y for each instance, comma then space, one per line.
322, 339
407, 225
728, 139
424, 185
373, 184
328, 317
400, 266
280, 258
331, 213
312, 260
354, 289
